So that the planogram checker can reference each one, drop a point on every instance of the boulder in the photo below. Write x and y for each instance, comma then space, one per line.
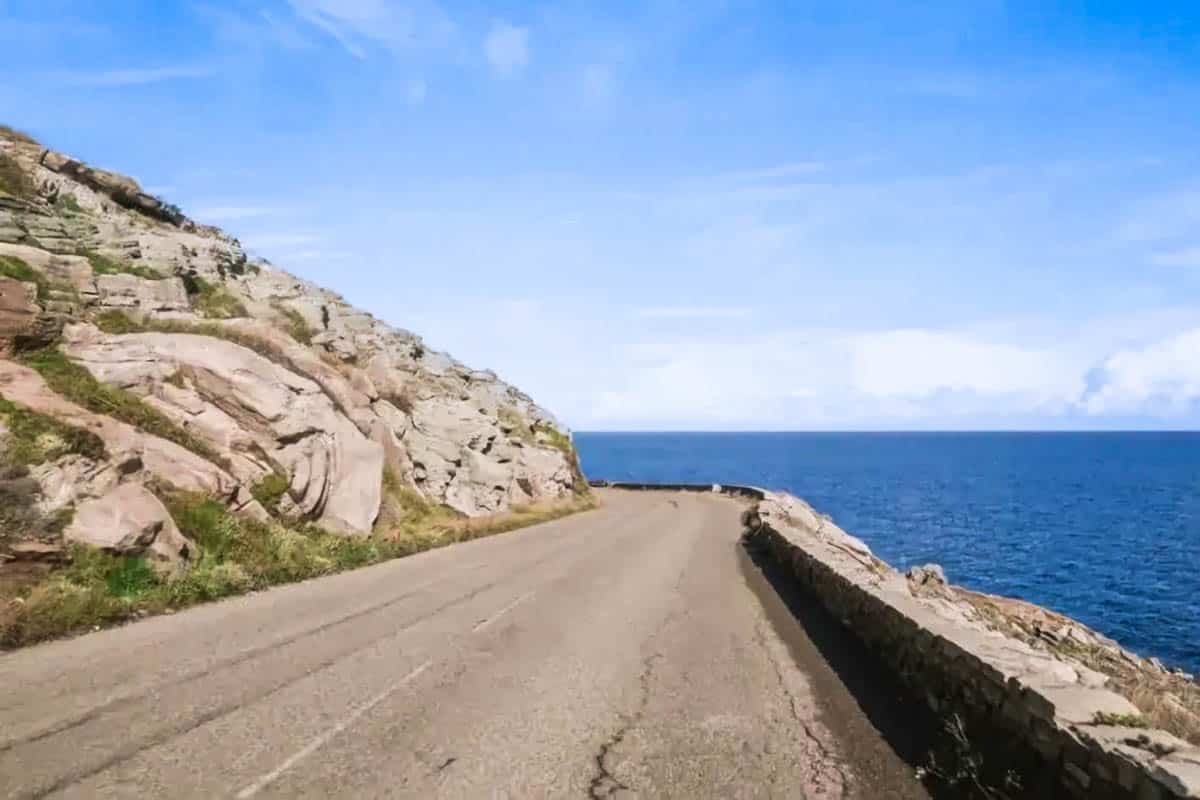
130, 520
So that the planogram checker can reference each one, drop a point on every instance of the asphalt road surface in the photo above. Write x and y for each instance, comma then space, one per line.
631, 651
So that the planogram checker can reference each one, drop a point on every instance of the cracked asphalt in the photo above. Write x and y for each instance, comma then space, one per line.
632, 651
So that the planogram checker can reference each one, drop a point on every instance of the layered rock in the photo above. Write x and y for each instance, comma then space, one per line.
260, 417
272, 373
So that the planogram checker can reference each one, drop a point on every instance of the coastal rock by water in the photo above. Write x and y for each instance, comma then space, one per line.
255, 375
1098, 720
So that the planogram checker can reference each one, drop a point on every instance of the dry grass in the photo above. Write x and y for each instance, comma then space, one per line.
1168, 701
9, 132
13, 179
235, 555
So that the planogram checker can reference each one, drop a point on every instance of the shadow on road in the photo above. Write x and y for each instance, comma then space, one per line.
882, 730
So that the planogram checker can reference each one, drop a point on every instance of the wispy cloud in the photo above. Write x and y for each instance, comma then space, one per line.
133, 77
393, 24
695, 312
265, 28
506, 48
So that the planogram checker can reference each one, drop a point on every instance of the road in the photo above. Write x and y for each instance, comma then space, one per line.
623, 652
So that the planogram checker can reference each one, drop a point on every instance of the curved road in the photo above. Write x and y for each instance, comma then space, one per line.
629, 651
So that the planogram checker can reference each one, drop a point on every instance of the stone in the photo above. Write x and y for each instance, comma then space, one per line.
244, 404
131, 293
37, 551
130, 520
18, 313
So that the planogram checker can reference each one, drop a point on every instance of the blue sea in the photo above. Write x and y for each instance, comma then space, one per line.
1104, 527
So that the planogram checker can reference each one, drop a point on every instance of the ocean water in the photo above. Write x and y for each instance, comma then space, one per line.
1104, 527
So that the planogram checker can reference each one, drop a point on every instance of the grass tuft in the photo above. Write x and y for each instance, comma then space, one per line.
35, 438
69, 203
103, 265
235, 554
9, 132
297, 327
270, 490
76, 384
13, 179
18, 270
1121, 720
213, 301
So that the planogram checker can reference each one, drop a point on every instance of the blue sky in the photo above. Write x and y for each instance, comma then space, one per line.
698, 215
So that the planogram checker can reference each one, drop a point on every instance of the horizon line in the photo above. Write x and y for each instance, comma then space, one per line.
648, 431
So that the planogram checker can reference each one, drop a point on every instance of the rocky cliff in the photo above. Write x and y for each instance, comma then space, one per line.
140, 349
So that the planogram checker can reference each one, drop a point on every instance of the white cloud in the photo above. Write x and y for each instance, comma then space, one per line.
921, 363
395, 24
133, 77
1187, 257
506, 48
1161, 378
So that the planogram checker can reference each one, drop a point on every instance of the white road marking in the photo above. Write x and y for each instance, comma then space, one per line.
323, 739
485, 623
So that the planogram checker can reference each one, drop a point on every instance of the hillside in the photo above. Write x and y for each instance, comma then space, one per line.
148, 366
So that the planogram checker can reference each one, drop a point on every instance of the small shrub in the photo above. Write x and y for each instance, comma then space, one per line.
130, 577
213, 301
270, 491
35, 438
68, 202
103, 265
207, 580
402, 400
18, 270
117, 323
297, 327
1121, 720
13, 179
9, 132
79, 386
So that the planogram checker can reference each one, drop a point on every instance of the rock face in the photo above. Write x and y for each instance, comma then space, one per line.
273, 374
18, 312
261, 417
130, 519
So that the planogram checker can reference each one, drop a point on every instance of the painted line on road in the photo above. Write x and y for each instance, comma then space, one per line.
485, 623
323, 739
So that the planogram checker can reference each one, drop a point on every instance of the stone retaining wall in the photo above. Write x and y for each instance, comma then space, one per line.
1019, 703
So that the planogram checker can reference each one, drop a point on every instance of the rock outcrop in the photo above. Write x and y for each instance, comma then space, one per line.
1058, 708
267, 374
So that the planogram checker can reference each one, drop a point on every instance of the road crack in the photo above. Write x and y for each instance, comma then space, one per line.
829, 772
604, 783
